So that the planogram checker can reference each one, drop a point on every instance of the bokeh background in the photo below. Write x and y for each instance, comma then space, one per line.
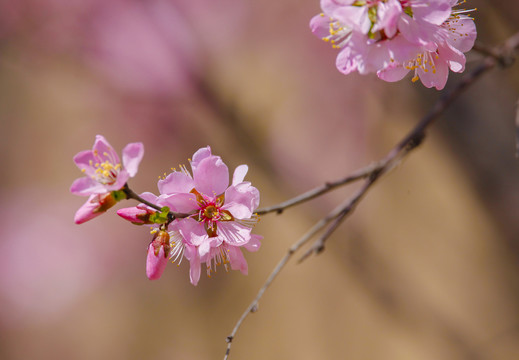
426, 268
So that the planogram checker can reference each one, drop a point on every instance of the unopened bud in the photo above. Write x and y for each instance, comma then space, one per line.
136, 215
94, 206
158, 254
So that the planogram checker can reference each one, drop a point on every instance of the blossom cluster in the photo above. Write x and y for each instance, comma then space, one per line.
395, 37
198, 215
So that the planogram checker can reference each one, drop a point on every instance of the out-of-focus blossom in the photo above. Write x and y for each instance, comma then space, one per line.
394, 37
103, 169
105, 175
143, 47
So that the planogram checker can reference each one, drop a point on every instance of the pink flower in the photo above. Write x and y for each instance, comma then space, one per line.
103, 169
431, 64
392, 37
222, 216
105, 175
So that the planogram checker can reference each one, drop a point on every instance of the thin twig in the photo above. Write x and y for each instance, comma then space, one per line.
291, 251
130, 194
395, 156
320, 190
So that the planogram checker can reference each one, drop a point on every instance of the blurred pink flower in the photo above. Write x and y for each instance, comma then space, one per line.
395, 36
144, 47
103, 169
104, 175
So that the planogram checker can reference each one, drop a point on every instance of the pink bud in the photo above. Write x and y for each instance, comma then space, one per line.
158, 252
94, 206
136, 215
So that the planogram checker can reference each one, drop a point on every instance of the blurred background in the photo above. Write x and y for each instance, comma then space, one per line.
426, 268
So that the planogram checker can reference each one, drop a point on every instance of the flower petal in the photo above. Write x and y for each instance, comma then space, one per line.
242, 194
200, 155
211, 176
233, 233
176, 182
254, 243
104, 150
180, 203
192, 231
132, 156
237, 260
239, 174
86, 186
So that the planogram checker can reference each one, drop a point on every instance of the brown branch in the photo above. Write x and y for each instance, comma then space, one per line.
394, 157
320, 190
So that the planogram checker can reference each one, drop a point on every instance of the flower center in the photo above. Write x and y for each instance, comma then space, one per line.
106, 172
210, 212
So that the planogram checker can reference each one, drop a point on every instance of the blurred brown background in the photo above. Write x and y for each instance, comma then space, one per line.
426, 268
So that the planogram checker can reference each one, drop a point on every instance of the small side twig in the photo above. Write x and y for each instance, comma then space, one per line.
320, 190
291, 251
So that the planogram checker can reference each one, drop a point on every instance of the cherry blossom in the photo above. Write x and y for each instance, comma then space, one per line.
394, 37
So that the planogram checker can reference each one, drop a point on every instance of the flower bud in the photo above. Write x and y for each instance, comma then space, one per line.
158, 253
137, 215
94, 206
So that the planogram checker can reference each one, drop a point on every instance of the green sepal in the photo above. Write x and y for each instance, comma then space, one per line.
119, 195
160, 217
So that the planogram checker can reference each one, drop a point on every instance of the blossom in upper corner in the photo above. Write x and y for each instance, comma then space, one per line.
393, 37
221, 216
105, 176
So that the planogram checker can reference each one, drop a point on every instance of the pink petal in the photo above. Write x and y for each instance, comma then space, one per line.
254, 243
86, 186
85, 161
211, 176
233, 233
176, 182
320, 26
132, 156
239, 174
180, 203
237, 260
194, 270
200, 155
192, 231
329, 6
436, 11
354, 17
462, 33
243, 194
437, 79
155, 264
105, 150
392, 73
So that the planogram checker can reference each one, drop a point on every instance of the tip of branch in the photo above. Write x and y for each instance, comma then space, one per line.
229, 339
